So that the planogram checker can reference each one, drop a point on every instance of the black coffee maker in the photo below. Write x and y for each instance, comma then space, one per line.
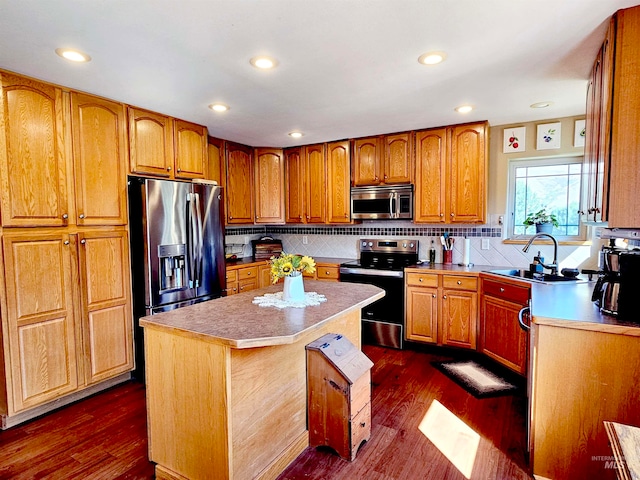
606, 291
618, 282
629, 290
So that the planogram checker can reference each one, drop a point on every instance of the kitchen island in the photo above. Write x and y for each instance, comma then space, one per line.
226, 380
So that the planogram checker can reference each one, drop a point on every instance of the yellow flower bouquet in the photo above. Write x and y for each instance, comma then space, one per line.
290, 265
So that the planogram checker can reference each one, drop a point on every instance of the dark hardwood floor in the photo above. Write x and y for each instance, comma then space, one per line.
105, 437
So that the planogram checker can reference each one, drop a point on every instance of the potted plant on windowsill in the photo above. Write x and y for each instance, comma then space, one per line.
543, 221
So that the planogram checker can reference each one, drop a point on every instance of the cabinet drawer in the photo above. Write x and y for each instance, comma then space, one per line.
232, 276
505, 291
422, 279
247, 284
460, 282
328, 272
247, 272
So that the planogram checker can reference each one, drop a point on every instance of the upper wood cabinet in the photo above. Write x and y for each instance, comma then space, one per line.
451, 174
34, 153
316, 192
239, 184
366, 165
384, 159
150, 143
100, 157
164, 147
269, 185
216, 160
191, 149
398, 158
339, 183
612, 122
295, 178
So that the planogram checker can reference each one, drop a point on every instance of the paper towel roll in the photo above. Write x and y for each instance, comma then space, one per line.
466, 252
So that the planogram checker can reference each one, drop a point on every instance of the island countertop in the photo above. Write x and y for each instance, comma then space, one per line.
237, 322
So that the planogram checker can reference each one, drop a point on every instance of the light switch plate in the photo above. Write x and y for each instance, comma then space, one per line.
485, 244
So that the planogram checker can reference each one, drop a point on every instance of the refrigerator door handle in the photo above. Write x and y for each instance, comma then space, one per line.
199, 238
191, 240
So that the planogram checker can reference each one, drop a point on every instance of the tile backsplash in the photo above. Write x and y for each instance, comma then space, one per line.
343, 242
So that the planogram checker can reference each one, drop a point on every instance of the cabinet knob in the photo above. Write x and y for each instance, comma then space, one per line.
307, 217
421, 279
81, 215
459, 282
66, 242
442, 214
83, 241
452, 214
327, 272
300, 217
501, 289
444, 297
179, 170
65, 216
385, 177
433, 295
248, 273
230, 217
168, 169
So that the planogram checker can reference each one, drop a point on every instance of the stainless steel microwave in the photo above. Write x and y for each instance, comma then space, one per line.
381, 203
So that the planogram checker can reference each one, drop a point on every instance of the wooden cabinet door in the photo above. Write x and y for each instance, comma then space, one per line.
264, 275
296, 186
239, 182
366, 161
190, 149
398, 158
100, 158
269, 185
216, 160
40, 318
150, 143
468, 174
106, 304
34, 157
431, 158
592, 127
501, 337
314, 166
339, 183
458, 318
422, 314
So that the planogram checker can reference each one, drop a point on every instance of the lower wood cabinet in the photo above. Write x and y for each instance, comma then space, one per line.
242, 279
441, 308
501, 337
67, 321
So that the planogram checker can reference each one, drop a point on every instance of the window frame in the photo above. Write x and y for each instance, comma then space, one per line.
541, 162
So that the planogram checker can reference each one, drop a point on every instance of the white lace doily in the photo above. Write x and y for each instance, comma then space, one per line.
311, 299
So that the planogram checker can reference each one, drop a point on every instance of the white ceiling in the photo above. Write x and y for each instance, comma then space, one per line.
347, 68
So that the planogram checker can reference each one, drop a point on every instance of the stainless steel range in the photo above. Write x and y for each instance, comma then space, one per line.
382, 264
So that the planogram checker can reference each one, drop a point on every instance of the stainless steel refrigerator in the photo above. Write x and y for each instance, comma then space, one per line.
177, 248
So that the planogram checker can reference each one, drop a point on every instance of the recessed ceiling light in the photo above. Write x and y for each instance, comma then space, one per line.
296, 134
73, 55
464, 109
263, 63
432, 58
541, 104
219, 107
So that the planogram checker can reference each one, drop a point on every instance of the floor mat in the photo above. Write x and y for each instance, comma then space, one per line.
476, 379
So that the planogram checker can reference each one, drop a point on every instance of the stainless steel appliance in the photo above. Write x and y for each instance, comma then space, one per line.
382, 264
382, 203
605, 292
177, 247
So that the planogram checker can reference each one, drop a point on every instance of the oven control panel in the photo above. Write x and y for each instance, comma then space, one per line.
389, 246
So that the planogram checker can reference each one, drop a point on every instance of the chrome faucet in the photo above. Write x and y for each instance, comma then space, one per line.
554, 266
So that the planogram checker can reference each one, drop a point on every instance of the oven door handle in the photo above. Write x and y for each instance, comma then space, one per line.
369, 272
521, 313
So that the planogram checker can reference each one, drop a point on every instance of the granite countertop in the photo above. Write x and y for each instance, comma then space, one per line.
237, 322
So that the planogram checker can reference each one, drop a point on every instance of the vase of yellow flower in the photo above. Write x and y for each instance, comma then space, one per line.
291, 267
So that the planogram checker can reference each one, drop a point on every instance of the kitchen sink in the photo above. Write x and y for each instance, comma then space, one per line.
536, 277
